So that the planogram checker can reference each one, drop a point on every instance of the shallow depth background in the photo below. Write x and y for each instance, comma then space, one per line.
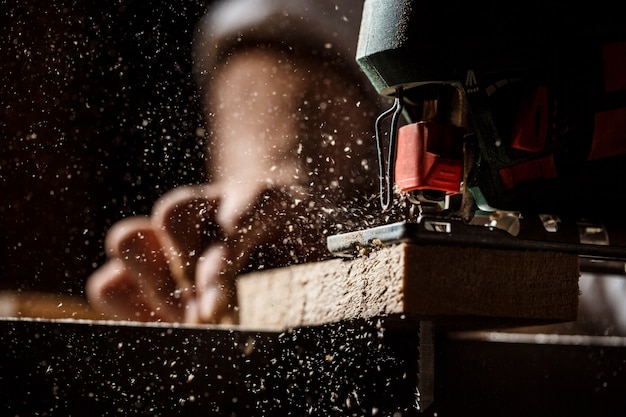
99, 117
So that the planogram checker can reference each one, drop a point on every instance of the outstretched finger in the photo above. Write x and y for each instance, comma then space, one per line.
114, 291
184, 221
135, 244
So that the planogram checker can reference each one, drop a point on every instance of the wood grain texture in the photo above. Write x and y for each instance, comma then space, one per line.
420, 281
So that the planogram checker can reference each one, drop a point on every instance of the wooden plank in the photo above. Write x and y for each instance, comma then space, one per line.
417, 281
45, 305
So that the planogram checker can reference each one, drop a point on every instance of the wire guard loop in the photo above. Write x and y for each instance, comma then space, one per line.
387, 170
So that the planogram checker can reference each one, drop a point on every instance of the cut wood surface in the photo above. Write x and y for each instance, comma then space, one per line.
22, 304
418, 281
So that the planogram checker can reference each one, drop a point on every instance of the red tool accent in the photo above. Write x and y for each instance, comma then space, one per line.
535, 169
430, 156
531, 128
609, 136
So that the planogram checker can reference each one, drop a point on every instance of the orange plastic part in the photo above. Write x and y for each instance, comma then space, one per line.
430, 156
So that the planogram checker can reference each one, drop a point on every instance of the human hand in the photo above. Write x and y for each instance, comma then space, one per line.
180, 264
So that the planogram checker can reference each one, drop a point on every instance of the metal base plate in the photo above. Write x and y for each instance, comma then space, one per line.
438, 231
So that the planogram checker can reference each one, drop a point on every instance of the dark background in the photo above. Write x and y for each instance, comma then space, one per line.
99, 117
